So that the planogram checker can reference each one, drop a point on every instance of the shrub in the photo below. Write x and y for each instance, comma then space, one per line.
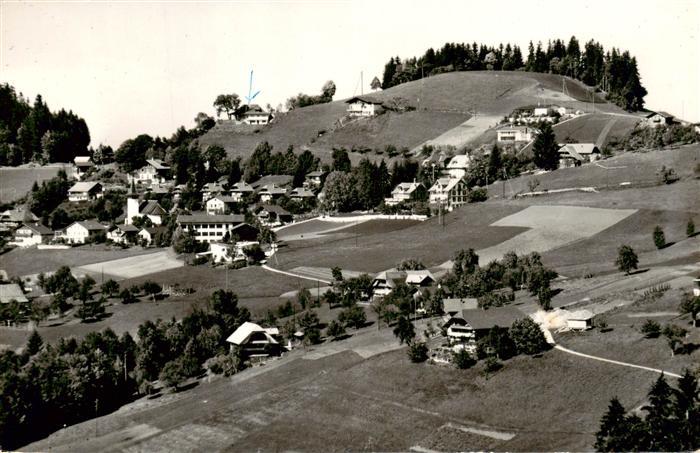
659, 237
463, 359
335, 329
477, 195
690, 228
418, 352
527, 336
626, 259
651, 329
491, 365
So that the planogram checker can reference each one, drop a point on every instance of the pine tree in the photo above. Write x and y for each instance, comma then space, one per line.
34, 343
686, 408
690, 228
613, 428
545, 148
661, 429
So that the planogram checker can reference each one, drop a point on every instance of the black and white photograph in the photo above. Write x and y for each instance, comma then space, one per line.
349, 226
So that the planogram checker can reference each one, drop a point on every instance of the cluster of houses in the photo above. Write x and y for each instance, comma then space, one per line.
542, 113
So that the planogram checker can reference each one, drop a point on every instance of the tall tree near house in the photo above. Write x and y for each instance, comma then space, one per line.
404, 331
545, 149
375, 84
227, 103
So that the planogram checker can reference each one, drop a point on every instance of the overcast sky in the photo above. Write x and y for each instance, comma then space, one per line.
134, 67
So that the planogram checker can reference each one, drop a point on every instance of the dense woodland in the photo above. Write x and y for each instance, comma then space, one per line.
31, 132
614, 72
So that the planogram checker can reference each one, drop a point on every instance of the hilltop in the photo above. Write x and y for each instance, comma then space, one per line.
466, 104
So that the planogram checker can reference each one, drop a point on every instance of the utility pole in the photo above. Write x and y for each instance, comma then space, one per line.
362, 83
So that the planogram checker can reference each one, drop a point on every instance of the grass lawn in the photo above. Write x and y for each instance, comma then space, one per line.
428, 241
32, 260
625, 342
16, 182
383, 403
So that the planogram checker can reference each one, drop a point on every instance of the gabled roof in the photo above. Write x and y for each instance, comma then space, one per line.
242, 187
581, 315
12, 291
153, 230
316, 174
578, 150
38, 228
365, 99
406, 187
272, 189
516, 128
496, 316
90, 225
19, 214
214, 187
157, 164
151, 207
245, 330
418, 277
459, 161
85, 161
84, 186
203, 217
300, 192
444, 184
125, 228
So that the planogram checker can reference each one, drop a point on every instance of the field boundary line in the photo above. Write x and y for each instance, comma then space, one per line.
292, 274
615, 362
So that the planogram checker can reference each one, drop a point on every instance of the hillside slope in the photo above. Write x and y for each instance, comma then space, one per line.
443, 103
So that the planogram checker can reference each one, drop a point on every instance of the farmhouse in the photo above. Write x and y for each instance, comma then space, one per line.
220, 204
419, 278
656, 119
147, 236
209, 228
155, 172
449, 192
273, 215
13, 218
82, 165
515, 134
406, 192
122, 234
363, 106
300, 193
580, 320
468, 326
314, 180
254, 341
575, 154
240, 190
458, 166
10, 292
85, 191
212, 189
386, 281
256, 115
271, 192
147, 208
32, 234
81, 232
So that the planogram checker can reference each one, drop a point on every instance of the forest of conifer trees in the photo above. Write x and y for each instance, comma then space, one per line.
614, 72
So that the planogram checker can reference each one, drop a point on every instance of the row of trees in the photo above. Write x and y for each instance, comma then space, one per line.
49, 386
613, 71
33, 133
305, 100
671, 420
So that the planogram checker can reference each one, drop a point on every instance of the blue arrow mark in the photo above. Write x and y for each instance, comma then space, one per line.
250, 96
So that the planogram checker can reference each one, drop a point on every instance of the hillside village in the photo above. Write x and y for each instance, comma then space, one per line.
249, 254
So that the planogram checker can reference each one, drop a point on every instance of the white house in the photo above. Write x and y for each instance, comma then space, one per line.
406, 192
209, 228
255, 341
314, 179
656, 119
240, 190
421, 278
220, 204
449, 193
271, 192
575, 154
256, 115
81, 232
82, 165
85, 191
228, 253
155, 172
212, 189
147, 208
363, 106
515, 134
122, 234
32, 234
458, 166
580, 320
147, 236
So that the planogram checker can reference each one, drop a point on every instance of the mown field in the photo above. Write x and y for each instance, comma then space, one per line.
429, 241
442, 102
17, 182
19, 262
